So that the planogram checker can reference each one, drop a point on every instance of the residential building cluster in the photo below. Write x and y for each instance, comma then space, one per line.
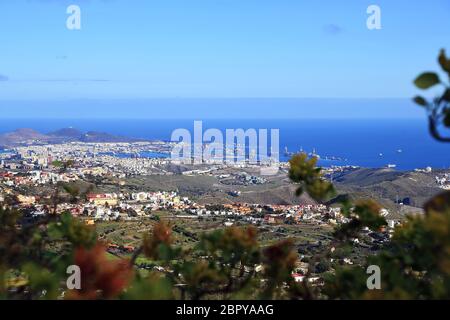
443, 181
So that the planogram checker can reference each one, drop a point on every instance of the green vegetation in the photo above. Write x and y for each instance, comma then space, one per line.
226, 263
199, 260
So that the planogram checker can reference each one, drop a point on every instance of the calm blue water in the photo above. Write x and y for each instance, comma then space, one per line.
359, 141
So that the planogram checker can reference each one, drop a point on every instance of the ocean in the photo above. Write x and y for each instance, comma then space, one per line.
366, 143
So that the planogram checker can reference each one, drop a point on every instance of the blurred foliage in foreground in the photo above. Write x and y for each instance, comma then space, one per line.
438, 109
414, 265
228, 263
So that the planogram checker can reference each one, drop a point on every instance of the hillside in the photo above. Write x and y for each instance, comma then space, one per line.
389, 186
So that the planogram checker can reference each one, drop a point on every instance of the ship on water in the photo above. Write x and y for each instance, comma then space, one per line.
312, 154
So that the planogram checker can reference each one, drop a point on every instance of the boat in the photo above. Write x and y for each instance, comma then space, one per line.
314, 154
287, 153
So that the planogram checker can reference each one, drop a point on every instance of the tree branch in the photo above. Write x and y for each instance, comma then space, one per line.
434, 131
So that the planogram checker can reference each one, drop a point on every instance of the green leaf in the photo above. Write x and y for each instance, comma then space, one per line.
427, 80
66, 218
54, 232
420, 101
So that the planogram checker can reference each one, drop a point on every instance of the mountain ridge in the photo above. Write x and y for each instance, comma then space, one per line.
28, 136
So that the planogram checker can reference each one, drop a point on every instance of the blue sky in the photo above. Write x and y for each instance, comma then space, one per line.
143, 49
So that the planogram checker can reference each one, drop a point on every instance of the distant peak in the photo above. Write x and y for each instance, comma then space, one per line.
26, 130
67, 132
